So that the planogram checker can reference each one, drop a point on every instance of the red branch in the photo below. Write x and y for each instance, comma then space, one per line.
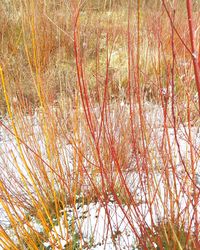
194, 52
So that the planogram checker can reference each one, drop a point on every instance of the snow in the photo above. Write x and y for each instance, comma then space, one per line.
106, 226
92, 221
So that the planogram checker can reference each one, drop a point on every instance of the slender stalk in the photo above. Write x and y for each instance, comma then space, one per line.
193, 48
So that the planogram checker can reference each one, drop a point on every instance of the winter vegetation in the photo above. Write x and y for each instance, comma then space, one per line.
100, 124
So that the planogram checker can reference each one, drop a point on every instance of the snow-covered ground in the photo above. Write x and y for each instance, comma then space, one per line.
110, 225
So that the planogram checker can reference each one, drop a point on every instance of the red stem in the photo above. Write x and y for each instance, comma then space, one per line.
194, 52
